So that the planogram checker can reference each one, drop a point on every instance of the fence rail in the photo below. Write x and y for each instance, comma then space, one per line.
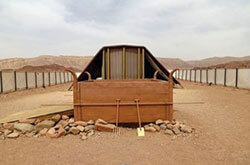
239, 78
12, 81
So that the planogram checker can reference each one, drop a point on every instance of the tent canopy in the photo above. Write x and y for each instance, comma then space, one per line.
124, 62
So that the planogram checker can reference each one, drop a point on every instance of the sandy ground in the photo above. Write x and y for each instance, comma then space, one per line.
222, 132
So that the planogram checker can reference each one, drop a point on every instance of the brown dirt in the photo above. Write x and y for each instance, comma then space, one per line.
222, 134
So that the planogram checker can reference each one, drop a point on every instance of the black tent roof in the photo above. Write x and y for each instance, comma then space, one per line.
96, 63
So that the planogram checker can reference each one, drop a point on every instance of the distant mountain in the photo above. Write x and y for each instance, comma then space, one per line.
48, 62
216, 61
172, 63
78, 62
233, 64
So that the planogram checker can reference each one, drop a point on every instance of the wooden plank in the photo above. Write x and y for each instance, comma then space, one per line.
105, 91
126, 113
37, 112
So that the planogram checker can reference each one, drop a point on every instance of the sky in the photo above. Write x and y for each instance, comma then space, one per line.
186, 29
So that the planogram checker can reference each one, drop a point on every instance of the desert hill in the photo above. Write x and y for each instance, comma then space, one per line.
50, 63
77, 62
216, 61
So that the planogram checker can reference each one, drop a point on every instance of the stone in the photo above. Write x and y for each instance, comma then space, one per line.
74, 130
71, 121
7, 132
159, 122
43, 131
177, 124
14, 134
150, 129
163, 126
90, 122
28, 121
168, 132
89, 127
186, 129
63, 123
150, 124
56, 118
30, 134
24, 127
90, 133
8, 126
166, 122
176, 131
157, 127
72, 125
44, 124
81, 123
65, 117
67, 128
170, 126
61, 132
83, 136
100, 121
104, 127
37, 121
81, 128
51, 132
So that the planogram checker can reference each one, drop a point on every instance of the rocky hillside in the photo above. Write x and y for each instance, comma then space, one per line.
172, 63
77, 62
216, 61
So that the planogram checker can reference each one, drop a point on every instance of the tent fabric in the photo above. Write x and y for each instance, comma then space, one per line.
151, 64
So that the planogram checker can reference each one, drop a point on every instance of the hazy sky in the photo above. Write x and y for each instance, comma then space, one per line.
188, 29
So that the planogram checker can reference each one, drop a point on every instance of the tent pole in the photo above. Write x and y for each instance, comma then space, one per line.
138, 64
107, 62
123, 63
103, 64
143, 64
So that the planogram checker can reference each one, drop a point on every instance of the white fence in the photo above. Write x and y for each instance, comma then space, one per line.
239, 78
13, 81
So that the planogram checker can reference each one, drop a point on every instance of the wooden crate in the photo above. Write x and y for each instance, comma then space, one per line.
97, 99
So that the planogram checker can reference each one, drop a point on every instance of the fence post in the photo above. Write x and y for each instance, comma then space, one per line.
15, 85
43, 80
215, 72
236, 79
64, 77
186, 74
1, 79
26, 80
190, 74
195, 75
207, 76
60, 77
68, 76
225, 77
35, 80
200, 75
49, 77
55, 78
